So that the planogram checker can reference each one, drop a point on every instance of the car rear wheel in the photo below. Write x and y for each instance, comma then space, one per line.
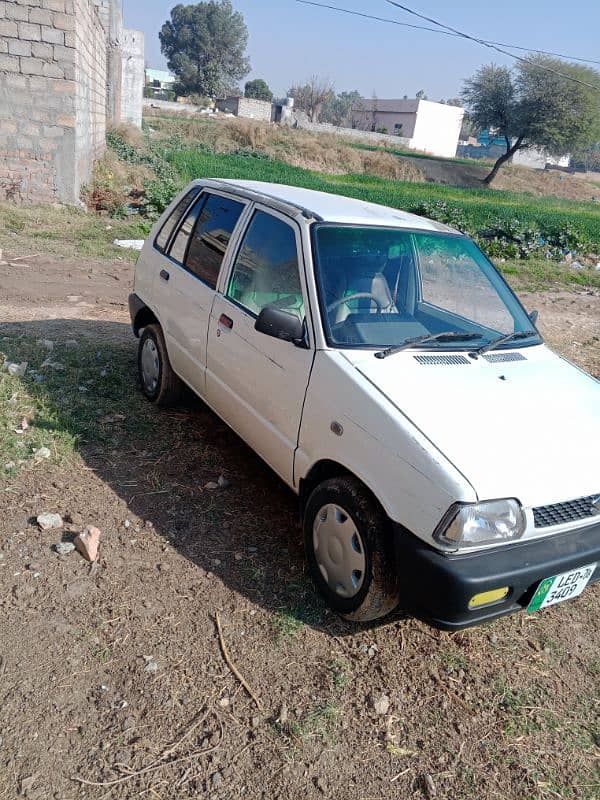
348, 545
158, 381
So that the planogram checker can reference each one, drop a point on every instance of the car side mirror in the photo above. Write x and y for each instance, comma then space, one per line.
272, 321
533, 316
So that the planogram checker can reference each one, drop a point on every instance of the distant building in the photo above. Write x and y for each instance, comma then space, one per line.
491, 146
430, 127
158, 82
246, 107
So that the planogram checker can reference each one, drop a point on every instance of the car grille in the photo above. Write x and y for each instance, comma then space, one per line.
569, 511
442, 360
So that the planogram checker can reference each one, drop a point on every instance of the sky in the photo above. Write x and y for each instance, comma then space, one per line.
289, 42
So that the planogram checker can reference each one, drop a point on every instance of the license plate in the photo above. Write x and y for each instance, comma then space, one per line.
561, 587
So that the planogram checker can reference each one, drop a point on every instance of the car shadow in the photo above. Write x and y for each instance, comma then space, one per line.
166, 465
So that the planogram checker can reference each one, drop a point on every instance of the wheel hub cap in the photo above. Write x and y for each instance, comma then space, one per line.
150, 365
339, 550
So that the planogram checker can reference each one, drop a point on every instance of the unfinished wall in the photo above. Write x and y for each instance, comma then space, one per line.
132, 76
52, 84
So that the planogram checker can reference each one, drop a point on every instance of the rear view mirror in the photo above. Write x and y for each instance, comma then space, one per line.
533, 316
280, 324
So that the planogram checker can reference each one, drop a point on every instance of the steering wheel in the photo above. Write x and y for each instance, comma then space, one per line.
357, 296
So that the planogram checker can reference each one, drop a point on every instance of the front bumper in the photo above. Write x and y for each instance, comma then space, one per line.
438, 587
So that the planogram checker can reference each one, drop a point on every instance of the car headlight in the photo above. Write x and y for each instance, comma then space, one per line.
476, 524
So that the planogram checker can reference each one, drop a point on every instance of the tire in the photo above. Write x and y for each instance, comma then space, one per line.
158, 382
348, 543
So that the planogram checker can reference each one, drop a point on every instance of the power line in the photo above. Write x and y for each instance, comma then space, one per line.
463, 35
444, 32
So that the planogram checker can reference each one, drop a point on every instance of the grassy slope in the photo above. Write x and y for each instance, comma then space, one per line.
479, 206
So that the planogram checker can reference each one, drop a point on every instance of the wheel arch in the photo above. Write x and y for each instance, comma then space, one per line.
144, 317
324, 470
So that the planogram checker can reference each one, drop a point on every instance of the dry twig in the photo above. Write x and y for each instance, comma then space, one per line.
232, 666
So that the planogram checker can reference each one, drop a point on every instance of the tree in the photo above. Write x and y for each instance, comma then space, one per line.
311, 96
205, 46
533, 106
338, 110
420, 95
258, 90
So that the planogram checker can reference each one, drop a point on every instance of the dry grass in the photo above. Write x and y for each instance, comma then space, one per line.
114, 183
545, 183
323, 152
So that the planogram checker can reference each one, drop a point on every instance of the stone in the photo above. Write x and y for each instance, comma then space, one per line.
381, 704
151, 666
430, 789
47, 343
17, 370
211, 485
47, 522
42, 453
64, 548
87, 543
222, 482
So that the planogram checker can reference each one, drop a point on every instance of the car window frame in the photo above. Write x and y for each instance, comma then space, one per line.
194, 190
302, 264
200, 201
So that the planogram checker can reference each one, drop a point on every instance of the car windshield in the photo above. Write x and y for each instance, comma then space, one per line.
380, 287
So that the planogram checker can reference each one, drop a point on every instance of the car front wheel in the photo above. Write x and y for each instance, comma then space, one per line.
349, 550
158, 381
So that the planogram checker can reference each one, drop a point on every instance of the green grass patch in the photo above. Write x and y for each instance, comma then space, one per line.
484, 165
86, 395
480, 207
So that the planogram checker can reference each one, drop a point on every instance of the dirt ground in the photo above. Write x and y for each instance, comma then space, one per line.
114, 679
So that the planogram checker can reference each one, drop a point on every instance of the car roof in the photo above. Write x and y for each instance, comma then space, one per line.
329, 207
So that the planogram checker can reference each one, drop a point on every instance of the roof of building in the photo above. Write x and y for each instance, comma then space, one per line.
159, 75
331, 207
398, 106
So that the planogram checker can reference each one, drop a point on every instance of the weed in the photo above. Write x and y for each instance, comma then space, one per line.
286, 625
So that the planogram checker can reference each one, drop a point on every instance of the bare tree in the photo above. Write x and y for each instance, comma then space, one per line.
311, 96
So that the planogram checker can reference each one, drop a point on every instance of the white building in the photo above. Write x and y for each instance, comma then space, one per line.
430, 127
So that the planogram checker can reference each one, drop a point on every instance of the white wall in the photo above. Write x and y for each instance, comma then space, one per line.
437, 129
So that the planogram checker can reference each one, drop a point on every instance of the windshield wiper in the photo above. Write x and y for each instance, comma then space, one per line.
446, 336
511, 337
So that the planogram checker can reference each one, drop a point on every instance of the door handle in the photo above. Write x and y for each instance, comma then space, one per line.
164, 275
226, 321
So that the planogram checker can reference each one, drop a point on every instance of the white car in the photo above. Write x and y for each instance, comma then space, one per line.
445, 459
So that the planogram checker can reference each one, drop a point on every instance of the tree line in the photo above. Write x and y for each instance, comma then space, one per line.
544, 102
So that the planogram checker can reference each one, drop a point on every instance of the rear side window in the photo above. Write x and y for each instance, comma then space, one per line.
180, 242
172, 222
210, 239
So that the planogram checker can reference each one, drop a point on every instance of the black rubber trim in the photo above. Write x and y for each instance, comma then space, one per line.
135, 306
438, 587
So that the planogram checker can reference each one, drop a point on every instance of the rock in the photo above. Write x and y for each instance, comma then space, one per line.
151, 666
71, 343
42, 453
211, 485
64, 548
283, 714
576, 265
87, 543
216, 780
597, 267
47, 522
430, 789
126, 524
9, 465
74, 518
49, 364
128, 723
381, 705
222, 482
47, 343
224, 702
17, 370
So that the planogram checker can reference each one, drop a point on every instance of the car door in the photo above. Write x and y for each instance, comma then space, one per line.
188, 282
257, 383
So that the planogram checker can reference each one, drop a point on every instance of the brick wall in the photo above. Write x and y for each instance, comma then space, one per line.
52, 98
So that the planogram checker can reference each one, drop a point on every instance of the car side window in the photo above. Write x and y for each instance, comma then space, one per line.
162, 240
216, 223
266, 270
179, 245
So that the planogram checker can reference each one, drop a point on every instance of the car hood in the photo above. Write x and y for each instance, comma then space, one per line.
526, 428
